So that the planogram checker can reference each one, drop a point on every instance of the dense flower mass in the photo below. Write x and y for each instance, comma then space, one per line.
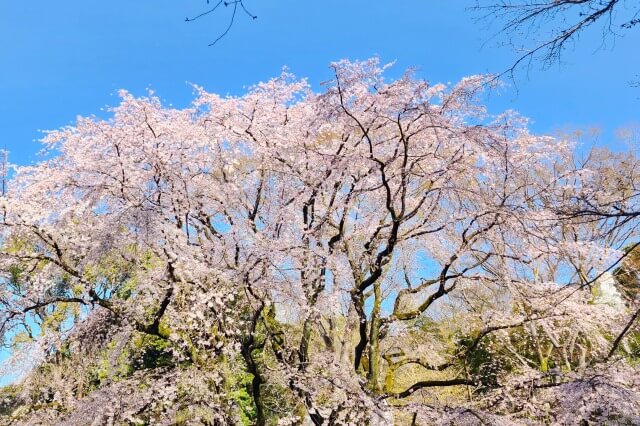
382, 252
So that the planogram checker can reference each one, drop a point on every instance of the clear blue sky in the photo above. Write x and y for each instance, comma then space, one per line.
62, 59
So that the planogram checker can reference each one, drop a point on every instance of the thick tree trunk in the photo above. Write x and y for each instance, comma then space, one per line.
358, 302
374, 340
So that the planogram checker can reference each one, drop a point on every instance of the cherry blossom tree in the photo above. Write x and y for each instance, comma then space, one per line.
346, 257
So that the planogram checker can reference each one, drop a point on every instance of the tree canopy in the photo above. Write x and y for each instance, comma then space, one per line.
382, 251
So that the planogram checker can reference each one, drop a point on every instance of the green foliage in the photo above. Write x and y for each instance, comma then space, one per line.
127, 288
59, 315
194, 415
115, 273
15, 276
151, 352
16, 245
481, 363
238, 383
244, 401
21, 337
119, 361
9, 400
633, 343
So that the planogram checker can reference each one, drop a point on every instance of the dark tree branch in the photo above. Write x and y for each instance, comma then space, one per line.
429, 384
558, 22
225, 3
